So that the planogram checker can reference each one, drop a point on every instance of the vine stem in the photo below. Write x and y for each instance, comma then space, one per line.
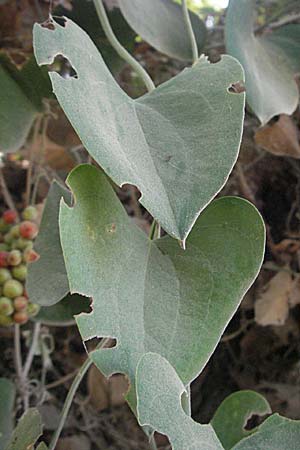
69, 399
33, 144
152, 442
31, 353
122, 52
190, 30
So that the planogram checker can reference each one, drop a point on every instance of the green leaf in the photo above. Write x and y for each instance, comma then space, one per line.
47, 281
7, 401
287, 38
270, 84
231, 417
182, 139
27, 432
161, 23
154, 296
62, 313
21, 97
276, 433
159, 394
83, 12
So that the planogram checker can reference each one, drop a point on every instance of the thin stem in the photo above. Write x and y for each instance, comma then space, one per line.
17, 351
31, 353
122, 52
5, 192
68, 402
152, 442
31, 156
190, 30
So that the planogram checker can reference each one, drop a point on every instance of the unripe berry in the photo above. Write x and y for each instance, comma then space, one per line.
15, 231
13, 289
8, 238
22, 243
3, 226
30, 255
6, 306
6, 321
20, 317
28, 230
4, 275
20, 303
3, 247
20, 272
14, 258
33, 309
30, 213
10, 216
3, 259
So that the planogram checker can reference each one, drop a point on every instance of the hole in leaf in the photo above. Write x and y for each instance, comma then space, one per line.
237, 88
63, 67
94, 342
48, 24
254, 421
60, 20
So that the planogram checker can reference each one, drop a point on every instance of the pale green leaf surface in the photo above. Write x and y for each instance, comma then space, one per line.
270, 84
27, 432
154, 296
42, 446
161, 24
159, 393
275, 433
232, 415
7, 401
182, 139
287, 39
47, 281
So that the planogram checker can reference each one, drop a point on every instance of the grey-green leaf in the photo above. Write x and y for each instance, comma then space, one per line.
47, 281
177, 144
159, 394
7, 401
276, 433
154, 296
270, 84
287, 38
160, 22
27, 432
232, 415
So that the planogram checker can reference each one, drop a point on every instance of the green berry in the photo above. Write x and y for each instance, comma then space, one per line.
30, 213
3, 226
22, 243
3, 247
15, 231
6, 306
20, 272
5, 275
14, 258
13, 289
33, 309
6, 321
8, 238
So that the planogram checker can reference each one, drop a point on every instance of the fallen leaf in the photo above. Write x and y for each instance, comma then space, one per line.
105, 393
272, 307
280, 138
56, 156
294, 298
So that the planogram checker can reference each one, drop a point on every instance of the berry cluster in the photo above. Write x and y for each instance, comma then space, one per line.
16, 251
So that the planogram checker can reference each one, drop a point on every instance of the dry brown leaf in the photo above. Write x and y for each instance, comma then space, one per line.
78, 442
272, 307
280, 138
294, 298
103, 392
56, 156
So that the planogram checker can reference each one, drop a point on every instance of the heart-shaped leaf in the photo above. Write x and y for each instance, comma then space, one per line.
7, 402
231, 417
159, 394
27, 432
287, 38
270, 84
160, 22
275, 433
154, 296
177, 144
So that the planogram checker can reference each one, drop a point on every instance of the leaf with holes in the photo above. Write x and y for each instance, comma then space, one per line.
159, 395
160, 22
276, 432
153, 295
231, 417
7, 402
20, 101
27, 432
183, 138
270, 84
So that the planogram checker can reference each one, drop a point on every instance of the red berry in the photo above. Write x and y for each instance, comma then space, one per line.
10, 216
3, 259
20, 317
30, 255
28, 230
20, 303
